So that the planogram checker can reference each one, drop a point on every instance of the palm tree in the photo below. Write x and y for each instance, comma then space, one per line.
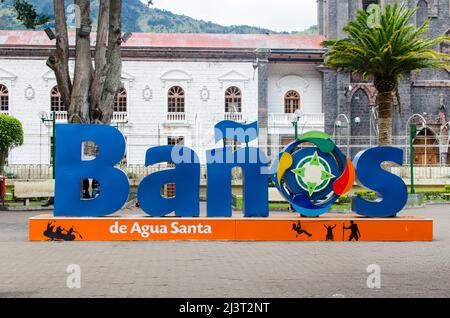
385, 51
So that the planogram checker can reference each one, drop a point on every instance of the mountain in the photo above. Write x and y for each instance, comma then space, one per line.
136, 17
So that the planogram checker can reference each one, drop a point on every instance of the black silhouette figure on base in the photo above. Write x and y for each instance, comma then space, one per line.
355, 234
297, 227
330, 235
58, 234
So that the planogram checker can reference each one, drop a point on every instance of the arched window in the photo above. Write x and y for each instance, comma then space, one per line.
367, 3
426, 148
4, 99
291, 102
421, 13
56, 102
176, 100
120, 102
233, 100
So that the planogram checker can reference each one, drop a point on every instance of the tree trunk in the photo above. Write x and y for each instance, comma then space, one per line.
114, 61
385, 118
101, 69
78, 111
3, 156
59, 62
90, 97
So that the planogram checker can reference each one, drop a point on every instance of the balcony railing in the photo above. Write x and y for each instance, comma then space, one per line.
176, 117
234, 117
117, 116
281, 119
120, 117
59, 116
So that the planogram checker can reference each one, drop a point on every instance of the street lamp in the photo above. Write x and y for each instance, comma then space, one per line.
373, 123
339, 124
44, 119
295, 120
126, 37
412, 135
444, 141
50, 34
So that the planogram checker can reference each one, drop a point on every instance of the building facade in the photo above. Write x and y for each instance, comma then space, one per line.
175, 88
425, 96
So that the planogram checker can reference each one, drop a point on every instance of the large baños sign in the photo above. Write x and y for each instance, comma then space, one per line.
311, 173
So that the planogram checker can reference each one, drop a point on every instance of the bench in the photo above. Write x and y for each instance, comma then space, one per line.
27, 190
446, 196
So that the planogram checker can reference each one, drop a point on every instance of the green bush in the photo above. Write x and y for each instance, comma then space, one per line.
345, 199
11, 136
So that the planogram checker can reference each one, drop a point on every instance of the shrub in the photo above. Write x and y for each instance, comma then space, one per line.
11, 136
345, 199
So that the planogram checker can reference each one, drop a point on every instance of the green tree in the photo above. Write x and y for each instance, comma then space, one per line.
28, 15
89, 95
11, 136
385, 49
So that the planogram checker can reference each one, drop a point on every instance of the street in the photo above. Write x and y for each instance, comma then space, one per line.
223, 269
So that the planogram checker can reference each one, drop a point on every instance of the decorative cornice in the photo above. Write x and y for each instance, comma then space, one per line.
5, 75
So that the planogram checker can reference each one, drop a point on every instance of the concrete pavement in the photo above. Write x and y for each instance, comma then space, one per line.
223, 269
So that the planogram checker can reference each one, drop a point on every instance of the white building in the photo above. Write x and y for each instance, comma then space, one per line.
176, 87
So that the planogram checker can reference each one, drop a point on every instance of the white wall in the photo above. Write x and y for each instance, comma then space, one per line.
147, 118
28, 73
304, 78
307, 81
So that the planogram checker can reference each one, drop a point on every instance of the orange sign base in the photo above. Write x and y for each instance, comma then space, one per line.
341, 228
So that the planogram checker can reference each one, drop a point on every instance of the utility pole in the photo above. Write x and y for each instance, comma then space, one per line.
53, 150
412, 136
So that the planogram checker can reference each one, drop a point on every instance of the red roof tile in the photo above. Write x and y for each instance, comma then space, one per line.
233, 41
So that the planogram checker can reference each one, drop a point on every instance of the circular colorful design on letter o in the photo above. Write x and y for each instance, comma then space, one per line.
312, 173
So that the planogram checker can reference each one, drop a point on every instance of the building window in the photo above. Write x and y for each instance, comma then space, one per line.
176, 100
367, 3
291, 102
175, 141
4, 99
120, 102
233, 100
421, 13
56, 102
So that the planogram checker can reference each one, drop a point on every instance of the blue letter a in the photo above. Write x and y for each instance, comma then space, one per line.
185, 175
71, 169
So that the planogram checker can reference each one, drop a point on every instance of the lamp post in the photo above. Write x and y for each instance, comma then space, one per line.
373, 123
52, 120
444, 142
412, 135
339, 124
295, 120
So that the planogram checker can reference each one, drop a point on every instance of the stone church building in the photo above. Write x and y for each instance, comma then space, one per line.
424, 95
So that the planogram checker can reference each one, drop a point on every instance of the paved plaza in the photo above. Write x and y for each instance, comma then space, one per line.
223, 269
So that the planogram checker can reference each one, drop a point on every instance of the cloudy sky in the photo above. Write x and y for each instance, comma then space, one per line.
278, 15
